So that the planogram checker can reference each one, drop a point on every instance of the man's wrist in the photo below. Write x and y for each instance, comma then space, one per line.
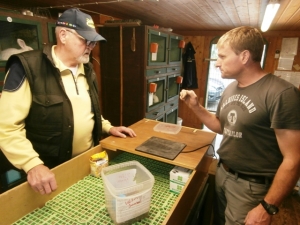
270, 209
31, 164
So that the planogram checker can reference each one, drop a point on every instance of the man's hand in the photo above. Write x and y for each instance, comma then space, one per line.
41, 179
258, 216
189, 97
121, 131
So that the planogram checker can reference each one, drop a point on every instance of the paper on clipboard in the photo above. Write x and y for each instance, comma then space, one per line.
285, 62
289, 46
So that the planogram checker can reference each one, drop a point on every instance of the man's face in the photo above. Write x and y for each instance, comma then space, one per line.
228, 62
85, 57
80, 49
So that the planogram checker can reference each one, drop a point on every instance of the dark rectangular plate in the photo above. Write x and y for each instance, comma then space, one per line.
161, 147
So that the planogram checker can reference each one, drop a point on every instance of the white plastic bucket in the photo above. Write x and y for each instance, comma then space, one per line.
179, 121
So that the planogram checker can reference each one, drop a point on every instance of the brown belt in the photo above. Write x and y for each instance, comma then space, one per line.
251, 178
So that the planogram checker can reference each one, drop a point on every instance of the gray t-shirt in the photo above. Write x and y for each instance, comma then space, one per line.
248, 118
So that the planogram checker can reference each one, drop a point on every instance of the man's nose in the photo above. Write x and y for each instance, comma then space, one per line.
217, 64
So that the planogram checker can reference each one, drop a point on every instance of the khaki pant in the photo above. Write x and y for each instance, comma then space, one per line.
235, 197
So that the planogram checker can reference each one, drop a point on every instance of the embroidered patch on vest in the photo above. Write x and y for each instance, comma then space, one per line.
14, 78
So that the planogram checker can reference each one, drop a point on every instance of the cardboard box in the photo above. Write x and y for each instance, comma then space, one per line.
180, 175
175, 187
178, 178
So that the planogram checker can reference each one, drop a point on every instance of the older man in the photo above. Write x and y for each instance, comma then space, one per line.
49, 105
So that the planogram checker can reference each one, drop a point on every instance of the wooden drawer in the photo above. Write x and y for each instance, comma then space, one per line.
173, 69
171, 104
156, 71
154, 114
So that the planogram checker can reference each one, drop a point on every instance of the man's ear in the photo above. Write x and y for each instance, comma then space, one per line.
62, 35
245, 56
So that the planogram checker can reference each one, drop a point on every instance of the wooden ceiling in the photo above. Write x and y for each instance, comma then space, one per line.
180, 15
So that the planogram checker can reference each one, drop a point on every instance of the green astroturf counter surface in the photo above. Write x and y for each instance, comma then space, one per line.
84, 201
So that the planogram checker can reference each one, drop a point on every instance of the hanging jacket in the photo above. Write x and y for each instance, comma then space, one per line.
190, 80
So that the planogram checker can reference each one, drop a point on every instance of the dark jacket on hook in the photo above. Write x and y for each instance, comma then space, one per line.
190, 74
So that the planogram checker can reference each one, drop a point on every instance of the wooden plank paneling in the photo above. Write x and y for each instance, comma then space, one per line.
288, 16
219, 10
180, 15
231, 11
243, 11
254, 18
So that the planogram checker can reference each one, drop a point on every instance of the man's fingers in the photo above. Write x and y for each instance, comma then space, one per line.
47, 189
53, 185
39, 190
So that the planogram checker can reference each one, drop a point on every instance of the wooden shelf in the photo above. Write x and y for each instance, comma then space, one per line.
125, 24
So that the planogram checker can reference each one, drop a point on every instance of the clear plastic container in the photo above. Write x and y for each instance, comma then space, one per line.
128, 189
168, 128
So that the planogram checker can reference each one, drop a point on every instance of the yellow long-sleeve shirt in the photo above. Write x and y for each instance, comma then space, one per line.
14, 108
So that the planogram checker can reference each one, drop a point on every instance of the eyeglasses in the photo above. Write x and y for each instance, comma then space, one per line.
90, 44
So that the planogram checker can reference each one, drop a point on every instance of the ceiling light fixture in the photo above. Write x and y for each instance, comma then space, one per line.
270, 13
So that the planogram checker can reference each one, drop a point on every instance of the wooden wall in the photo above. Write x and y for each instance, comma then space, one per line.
201, 42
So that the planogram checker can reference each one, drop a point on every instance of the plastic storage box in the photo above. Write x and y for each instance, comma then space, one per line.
128, 189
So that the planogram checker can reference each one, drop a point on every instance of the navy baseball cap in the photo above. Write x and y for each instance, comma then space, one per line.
81, 22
